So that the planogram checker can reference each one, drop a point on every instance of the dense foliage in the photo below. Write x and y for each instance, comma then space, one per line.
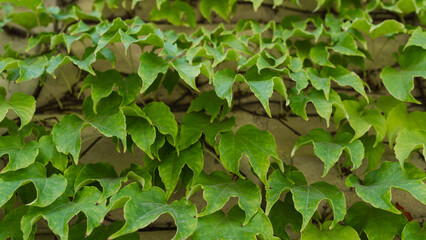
295, 61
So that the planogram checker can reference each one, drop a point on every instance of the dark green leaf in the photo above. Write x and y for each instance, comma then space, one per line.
78, 232
209, 102
171, 166
364, 218
282, 214
10, 226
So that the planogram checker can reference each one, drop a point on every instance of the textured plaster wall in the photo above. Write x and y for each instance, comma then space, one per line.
104, 149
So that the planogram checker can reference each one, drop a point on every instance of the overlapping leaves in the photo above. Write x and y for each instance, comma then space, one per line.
314, 56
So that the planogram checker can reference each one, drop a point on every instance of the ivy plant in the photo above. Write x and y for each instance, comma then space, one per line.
176, 101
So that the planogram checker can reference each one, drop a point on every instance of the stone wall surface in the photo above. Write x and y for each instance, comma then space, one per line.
104, 149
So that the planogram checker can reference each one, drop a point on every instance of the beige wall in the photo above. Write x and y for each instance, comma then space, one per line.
305, 160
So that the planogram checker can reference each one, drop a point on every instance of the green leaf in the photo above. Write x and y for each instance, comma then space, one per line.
187, 71
48, 153
70, 174
63, 38
142, 133
23, 105
413, 231
101, 172
319, 55
262, 84
338, 232
329, 150
387, 27
209, 102
176, 13
171, 80
344, 77
361, 119
42, 38
67, 135
111, 122
30, 20
85, 63
324, 107
282, 214
301, 79
376, 223
256, 3
219, 188
59, 213
143, 207
194, 124
111, 34
409, 141
320, 82
105, 174
129, 88
31, 4
257, 145
171, 166
229, 226
376, 188
372, 153
150, 66
400, 83
306, 198
222, 82
221, 7
102, 85
418, 38
399, 121
162, 118
346, 45
20, 155
48, 188
55, 62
